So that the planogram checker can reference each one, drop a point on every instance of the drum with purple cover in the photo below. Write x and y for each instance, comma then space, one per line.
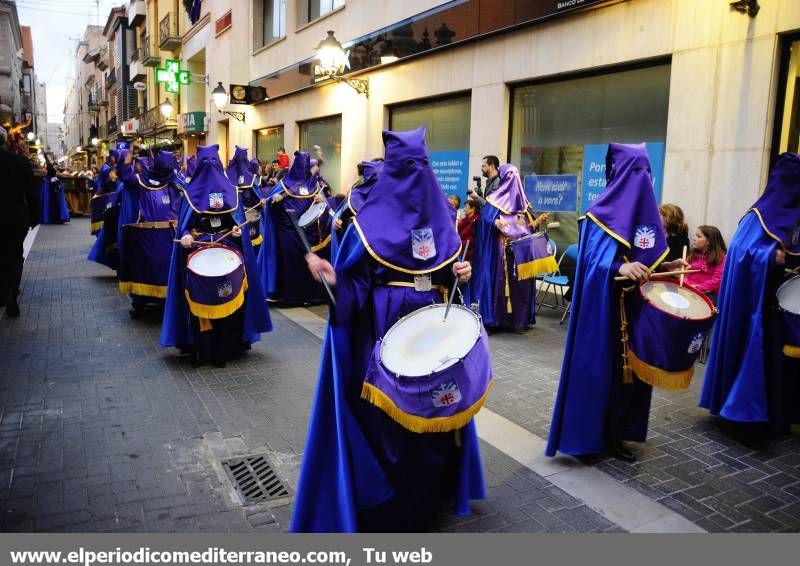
532, 256
430, 374
215, 281
144, 265
99, 205
667, 326
789, 304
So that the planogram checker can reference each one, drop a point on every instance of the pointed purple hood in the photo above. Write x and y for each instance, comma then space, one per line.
627, 209
299, 176
407, 223
509, 197
779, 206
358, 194
210, 191
238, 171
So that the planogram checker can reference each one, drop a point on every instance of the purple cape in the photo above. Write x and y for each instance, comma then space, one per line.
407, 223
210, 191
162, 172
627, 210
358, 194
191, 165
509, 197
778, 209
255, 166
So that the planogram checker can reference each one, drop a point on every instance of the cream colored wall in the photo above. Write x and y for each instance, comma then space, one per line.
722, 93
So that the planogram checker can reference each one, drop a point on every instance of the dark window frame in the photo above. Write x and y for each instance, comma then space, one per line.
785, 41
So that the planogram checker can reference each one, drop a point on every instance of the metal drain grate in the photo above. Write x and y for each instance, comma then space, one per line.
254, 479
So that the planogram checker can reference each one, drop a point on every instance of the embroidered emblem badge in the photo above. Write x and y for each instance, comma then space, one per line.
225, 290
215, 200
446, 394
697, 343
423, 245
644, 237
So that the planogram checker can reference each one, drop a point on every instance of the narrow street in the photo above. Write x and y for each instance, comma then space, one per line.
101, 429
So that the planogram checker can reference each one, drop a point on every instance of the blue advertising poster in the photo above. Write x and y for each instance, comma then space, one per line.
552, 193
594, 171
451, 169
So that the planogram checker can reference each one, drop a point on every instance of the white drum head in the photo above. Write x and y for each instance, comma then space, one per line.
214, 262
423, 342
789, 295
674, 299
311, 215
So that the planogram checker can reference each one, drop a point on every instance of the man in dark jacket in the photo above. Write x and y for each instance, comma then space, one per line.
21, 212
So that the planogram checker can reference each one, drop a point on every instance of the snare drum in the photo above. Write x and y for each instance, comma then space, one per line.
532, 256
789, 302
314, 212
144, 266
667, 326
99, 205
430, 374
215, 281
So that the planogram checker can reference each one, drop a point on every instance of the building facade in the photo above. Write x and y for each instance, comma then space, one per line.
11, 51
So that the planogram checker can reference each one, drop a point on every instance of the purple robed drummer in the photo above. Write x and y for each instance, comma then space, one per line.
363, 467
288, 200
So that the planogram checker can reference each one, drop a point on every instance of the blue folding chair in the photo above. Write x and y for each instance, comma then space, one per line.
558, 283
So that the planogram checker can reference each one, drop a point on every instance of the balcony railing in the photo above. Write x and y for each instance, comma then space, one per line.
150, 55
135, 54
93, 104
112, 125
153, 120
111, 77
168, 37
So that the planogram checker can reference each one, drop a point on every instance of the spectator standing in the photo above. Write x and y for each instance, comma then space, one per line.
490, 168
466, 227
708, 256
676, 229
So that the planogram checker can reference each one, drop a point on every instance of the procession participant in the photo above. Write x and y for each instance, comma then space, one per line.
361, 467
105, 250
506, 294
149, 205
368, 172
289, 280
212, 319
54, 203
103, 191
751, 376
600, 404
191, 165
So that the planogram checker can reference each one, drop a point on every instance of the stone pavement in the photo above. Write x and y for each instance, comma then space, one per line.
103, 430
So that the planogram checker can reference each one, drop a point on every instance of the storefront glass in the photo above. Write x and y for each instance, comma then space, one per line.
789, 124
560, 133
447, 122
268, 140
323, 138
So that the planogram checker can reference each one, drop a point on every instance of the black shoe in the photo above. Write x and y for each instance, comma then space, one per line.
220, 364
619, 451
136, 313
12, 308
196, 362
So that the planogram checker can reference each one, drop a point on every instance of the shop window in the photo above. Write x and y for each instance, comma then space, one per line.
268, 140
447, 122
269, 21
323, 139
788, 114
318, 8
561, 130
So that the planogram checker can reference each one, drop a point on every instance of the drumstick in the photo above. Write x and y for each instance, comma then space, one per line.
307, 246
218, 240
455, 284
684, 259
794, 271
676, 272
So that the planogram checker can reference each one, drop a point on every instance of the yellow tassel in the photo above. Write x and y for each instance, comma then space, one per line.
217, 311
531, 269
96, 226
143, 289
421, 425
205, 324
257, 241
507, 288
657, 377
791, 351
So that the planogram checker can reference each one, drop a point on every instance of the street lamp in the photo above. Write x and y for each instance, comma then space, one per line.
220, 97
37, 142
166, 108
31, 135
332, 61
94, 141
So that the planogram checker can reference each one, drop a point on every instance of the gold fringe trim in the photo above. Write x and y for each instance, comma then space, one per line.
205, 324
217, 311
323, 244
791, 351
143, 289
657, 377
257, 241
421, 425
96, 226
531, 269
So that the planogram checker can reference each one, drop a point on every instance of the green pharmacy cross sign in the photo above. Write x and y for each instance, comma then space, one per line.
173, 76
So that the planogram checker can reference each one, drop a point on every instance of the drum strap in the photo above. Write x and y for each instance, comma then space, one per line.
627, 374
441, 288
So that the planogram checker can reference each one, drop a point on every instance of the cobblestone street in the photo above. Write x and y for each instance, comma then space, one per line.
101, 429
